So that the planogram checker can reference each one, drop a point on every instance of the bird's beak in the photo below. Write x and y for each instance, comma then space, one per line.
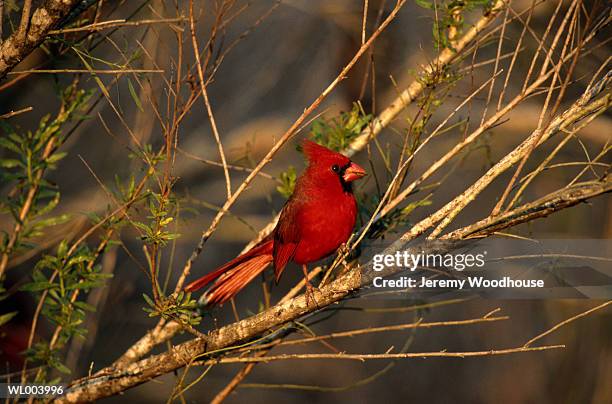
353, 172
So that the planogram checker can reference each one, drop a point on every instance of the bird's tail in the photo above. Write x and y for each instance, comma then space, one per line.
230, 278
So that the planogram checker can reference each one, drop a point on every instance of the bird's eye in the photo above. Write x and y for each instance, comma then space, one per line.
335, 168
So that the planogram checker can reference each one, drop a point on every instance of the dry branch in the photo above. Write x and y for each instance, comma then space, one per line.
364, 357
14, 113
89, 71
114, 24
19, 45
543, 207
386, 328
565, 322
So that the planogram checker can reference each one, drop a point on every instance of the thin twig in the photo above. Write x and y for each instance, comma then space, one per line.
211, 117
80, 71
99, 26
364, 357
25, 19
388, 328
13, 113
565, 322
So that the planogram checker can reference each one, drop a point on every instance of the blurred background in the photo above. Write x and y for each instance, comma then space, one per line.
283, 56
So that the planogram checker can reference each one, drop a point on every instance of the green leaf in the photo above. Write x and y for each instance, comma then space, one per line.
424, 3
16, 138
100, 276
61, 367
142, 226
287, 180
10, 163
85, 285
337, 133
166, 221
5, 318
54, 158
7, 144
148, 300
85, 306
52, 221
413, 205
134, 95
38, 286
77, 260
62, 249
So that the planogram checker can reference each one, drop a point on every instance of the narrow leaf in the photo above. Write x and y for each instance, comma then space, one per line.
134, 95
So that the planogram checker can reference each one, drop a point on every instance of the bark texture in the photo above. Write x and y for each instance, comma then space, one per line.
46, 17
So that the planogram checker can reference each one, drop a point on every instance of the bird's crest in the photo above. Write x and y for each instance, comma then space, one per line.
315, 152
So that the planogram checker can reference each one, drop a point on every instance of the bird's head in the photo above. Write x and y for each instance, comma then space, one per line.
331, 166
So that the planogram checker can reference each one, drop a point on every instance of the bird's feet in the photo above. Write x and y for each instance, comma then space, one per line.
310, 294
343, 250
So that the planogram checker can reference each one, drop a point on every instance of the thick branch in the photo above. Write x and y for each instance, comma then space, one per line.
16, 47
543, 207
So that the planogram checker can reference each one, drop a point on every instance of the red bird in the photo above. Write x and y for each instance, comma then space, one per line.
315, 221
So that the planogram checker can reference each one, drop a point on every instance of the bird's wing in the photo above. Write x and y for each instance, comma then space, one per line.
286, 236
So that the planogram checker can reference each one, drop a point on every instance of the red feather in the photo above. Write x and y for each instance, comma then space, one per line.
315, 221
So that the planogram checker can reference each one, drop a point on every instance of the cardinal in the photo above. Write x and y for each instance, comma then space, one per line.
317, 219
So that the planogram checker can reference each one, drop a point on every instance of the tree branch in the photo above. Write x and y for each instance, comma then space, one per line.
364, 357
20, 44
543, 207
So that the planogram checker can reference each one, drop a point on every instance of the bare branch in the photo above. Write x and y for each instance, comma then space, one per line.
565, 322
211, 117
15, 48
364, 357
543, 207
